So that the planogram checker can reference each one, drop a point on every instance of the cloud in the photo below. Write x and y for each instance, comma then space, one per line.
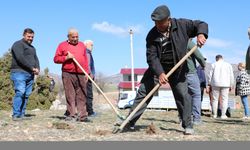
218, 43
115, 30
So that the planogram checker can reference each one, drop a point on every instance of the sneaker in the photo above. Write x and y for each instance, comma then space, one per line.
224, 117
214, 116
94, 114
189, 131
17, 118
245, 117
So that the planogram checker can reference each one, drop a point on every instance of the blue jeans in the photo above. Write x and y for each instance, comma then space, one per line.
244, 101
195, 92
23, 82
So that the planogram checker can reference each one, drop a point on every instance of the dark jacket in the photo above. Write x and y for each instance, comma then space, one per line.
24, 57
191, 61
248, 60
91, 62
202, 76
181, 31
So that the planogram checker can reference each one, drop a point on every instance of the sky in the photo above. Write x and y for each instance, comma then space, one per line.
108, 22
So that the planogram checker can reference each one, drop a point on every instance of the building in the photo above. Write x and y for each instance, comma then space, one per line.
163, 98
126, 83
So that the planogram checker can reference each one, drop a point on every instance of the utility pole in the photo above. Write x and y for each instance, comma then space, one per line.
132, 60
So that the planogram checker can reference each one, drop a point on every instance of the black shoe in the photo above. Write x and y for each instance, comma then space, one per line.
66, 114
94, 114
84, 120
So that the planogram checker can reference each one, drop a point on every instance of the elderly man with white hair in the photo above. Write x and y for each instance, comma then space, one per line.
89, 104
74, 80
248, 54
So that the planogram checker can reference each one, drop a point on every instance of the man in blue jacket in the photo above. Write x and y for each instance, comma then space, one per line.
89, 47
166, 44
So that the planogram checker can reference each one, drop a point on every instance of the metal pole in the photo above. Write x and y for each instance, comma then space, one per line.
132, 60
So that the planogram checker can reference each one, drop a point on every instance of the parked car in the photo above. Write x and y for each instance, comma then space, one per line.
126, 99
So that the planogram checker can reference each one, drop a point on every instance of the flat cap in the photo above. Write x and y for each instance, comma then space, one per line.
161, 12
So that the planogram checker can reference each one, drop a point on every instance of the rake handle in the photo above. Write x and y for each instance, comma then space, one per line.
106, 98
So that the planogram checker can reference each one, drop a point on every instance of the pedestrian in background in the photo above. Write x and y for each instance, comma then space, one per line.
243, 88
221, 80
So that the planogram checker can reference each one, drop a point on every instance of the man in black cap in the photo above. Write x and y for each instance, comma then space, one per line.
166, 45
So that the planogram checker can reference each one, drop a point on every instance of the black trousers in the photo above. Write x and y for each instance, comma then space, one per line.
179, 88
89, 102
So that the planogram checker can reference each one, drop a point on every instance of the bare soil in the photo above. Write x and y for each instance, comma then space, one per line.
154, 125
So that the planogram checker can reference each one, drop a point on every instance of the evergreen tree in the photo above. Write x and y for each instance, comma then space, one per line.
41, 97
6, 86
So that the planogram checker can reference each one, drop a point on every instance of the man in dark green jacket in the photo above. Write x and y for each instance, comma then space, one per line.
194, 83
166, 44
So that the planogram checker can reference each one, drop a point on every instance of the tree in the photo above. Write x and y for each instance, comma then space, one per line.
41, 97
99, 81
6, 92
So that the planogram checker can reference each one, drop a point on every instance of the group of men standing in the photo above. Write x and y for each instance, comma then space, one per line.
78, 89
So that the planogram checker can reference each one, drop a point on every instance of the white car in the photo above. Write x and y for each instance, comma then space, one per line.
126, 99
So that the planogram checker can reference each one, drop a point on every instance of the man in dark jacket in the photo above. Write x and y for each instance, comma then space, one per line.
25, 65
89, 103
248, 55
166, 45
